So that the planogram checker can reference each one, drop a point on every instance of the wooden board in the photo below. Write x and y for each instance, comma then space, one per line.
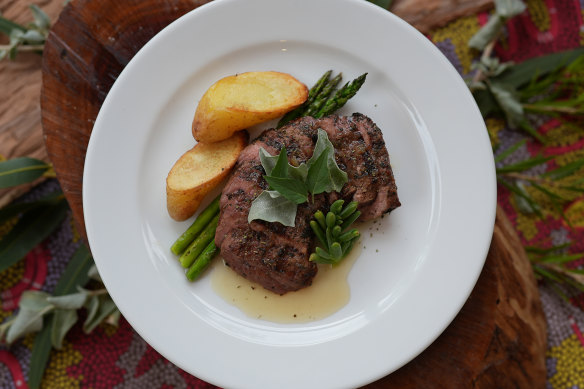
497, 340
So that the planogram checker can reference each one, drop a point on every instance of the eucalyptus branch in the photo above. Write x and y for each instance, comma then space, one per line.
34, 306
30, 37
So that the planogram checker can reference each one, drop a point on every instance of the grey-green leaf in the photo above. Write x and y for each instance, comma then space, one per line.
271, 206
63, 320
41, 19
105, 307
68, 301
94, 274
34, 300
75, 274
32, 307
487, 33
509, 8
23, 170
508, 101
268, 161
92, 305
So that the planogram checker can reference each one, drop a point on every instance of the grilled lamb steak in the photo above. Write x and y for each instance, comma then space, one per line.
274, 255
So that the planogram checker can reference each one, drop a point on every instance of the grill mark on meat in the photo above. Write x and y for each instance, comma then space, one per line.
274, 255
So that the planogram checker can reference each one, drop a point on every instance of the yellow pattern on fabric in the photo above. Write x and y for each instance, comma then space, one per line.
56, 374
539, 14
11, 277
575, 214
570, 363
459, 32
526, 223
494, 126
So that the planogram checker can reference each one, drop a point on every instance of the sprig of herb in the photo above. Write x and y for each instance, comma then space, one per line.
30, 37
333, 232
545, 85
291, 185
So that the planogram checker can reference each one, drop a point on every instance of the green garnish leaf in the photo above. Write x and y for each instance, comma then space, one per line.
271, 206
324, 175
290, 185
290, 188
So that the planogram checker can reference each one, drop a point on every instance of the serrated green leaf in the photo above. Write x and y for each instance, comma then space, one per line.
271, 206
63, 321
19, 171
29, 231
291, 189
487, 33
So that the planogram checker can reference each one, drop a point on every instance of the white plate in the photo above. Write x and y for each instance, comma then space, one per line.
416, 271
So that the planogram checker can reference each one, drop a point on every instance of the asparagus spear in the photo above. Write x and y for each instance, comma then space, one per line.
312, 94
341, 97
198, 245
195, 229
202, 261
323, 96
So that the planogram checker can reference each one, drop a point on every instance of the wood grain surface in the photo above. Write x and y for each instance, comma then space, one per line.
498, 340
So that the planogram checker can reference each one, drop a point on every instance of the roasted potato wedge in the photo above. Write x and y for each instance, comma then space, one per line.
198, 171
238, 102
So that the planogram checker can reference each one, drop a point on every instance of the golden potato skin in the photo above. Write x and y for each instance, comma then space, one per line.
237, 102
198, 171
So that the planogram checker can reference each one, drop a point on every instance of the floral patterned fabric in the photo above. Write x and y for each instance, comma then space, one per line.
116, 357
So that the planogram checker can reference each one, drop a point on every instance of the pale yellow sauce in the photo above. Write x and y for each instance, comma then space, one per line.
328, 293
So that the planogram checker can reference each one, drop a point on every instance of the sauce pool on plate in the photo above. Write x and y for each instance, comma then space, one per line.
328, 293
